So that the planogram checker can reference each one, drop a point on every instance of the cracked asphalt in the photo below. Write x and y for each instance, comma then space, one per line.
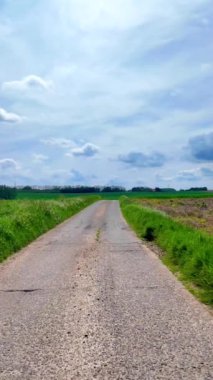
88, 301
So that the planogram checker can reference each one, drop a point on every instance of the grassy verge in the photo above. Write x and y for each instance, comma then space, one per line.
188, 252
23, 221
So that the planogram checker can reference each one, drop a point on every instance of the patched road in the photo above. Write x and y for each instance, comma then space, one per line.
88, 301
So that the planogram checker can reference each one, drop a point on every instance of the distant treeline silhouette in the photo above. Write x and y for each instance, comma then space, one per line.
7, 192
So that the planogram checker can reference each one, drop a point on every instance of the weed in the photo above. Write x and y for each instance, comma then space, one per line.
98, 233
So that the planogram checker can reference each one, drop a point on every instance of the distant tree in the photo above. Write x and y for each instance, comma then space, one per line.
27, 188
198, 189
79, 189
141, 189
167, 190
113, 189
7, 192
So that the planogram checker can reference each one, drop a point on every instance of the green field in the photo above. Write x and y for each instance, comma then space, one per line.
116, 196
23, 221
188, 251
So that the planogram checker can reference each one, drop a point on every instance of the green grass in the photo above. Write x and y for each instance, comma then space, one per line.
114, 196
23, 221
188, 252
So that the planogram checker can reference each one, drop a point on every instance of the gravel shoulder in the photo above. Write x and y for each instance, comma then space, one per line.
88, 301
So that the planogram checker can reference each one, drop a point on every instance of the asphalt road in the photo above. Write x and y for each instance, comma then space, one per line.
88, 301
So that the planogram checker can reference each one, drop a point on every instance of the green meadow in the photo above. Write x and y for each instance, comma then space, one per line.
116, 195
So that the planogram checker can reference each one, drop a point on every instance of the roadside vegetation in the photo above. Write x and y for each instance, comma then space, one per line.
23, 221
197, 213
188, 251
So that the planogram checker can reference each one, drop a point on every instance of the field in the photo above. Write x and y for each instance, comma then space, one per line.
182, 230
117, 195
23, 221
197, 213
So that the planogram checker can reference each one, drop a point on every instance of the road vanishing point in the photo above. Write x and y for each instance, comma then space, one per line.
87, 300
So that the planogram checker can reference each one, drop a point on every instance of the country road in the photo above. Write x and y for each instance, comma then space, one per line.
88, 301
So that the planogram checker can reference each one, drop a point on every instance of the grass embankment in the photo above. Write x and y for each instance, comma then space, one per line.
188, 252
23, 221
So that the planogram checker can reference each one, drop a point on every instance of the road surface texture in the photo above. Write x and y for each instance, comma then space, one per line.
88, 301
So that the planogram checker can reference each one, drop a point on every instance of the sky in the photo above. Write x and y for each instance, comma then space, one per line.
106, 92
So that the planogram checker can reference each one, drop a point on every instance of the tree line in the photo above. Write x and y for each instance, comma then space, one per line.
7, 192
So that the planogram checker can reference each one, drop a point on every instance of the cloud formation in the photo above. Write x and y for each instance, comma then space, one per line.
9, 117
8, 164
58, 142
87, 150
141, 160
188, 175
207, 172
39, 158
152, 96
194, 174
201, 147
28, 82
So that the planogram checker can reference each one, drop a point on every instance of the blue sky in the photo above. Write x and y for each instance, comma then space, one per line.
103, 92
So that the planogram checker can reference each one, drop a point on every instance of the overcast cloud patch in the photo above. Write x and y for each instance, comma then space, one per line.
138, 159
201, 147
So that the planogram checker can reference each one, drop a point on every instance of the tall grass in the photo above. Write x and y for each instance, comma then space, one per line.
187, 251
23, 221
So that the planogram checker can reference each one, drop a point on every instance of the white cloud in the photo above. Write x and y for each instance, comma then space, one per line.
119, 14
9, 117
9, 164
87, 150
194, 174
29, 82
59, 142
39, 158
129, 75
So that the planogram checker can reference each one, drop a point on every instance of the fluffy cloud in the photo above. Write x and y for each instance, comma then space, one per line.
8, 164
194, 174
39, 158
29, 82
9, 117
138, 159
58, 142
87, 150
153, 94
201, 147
